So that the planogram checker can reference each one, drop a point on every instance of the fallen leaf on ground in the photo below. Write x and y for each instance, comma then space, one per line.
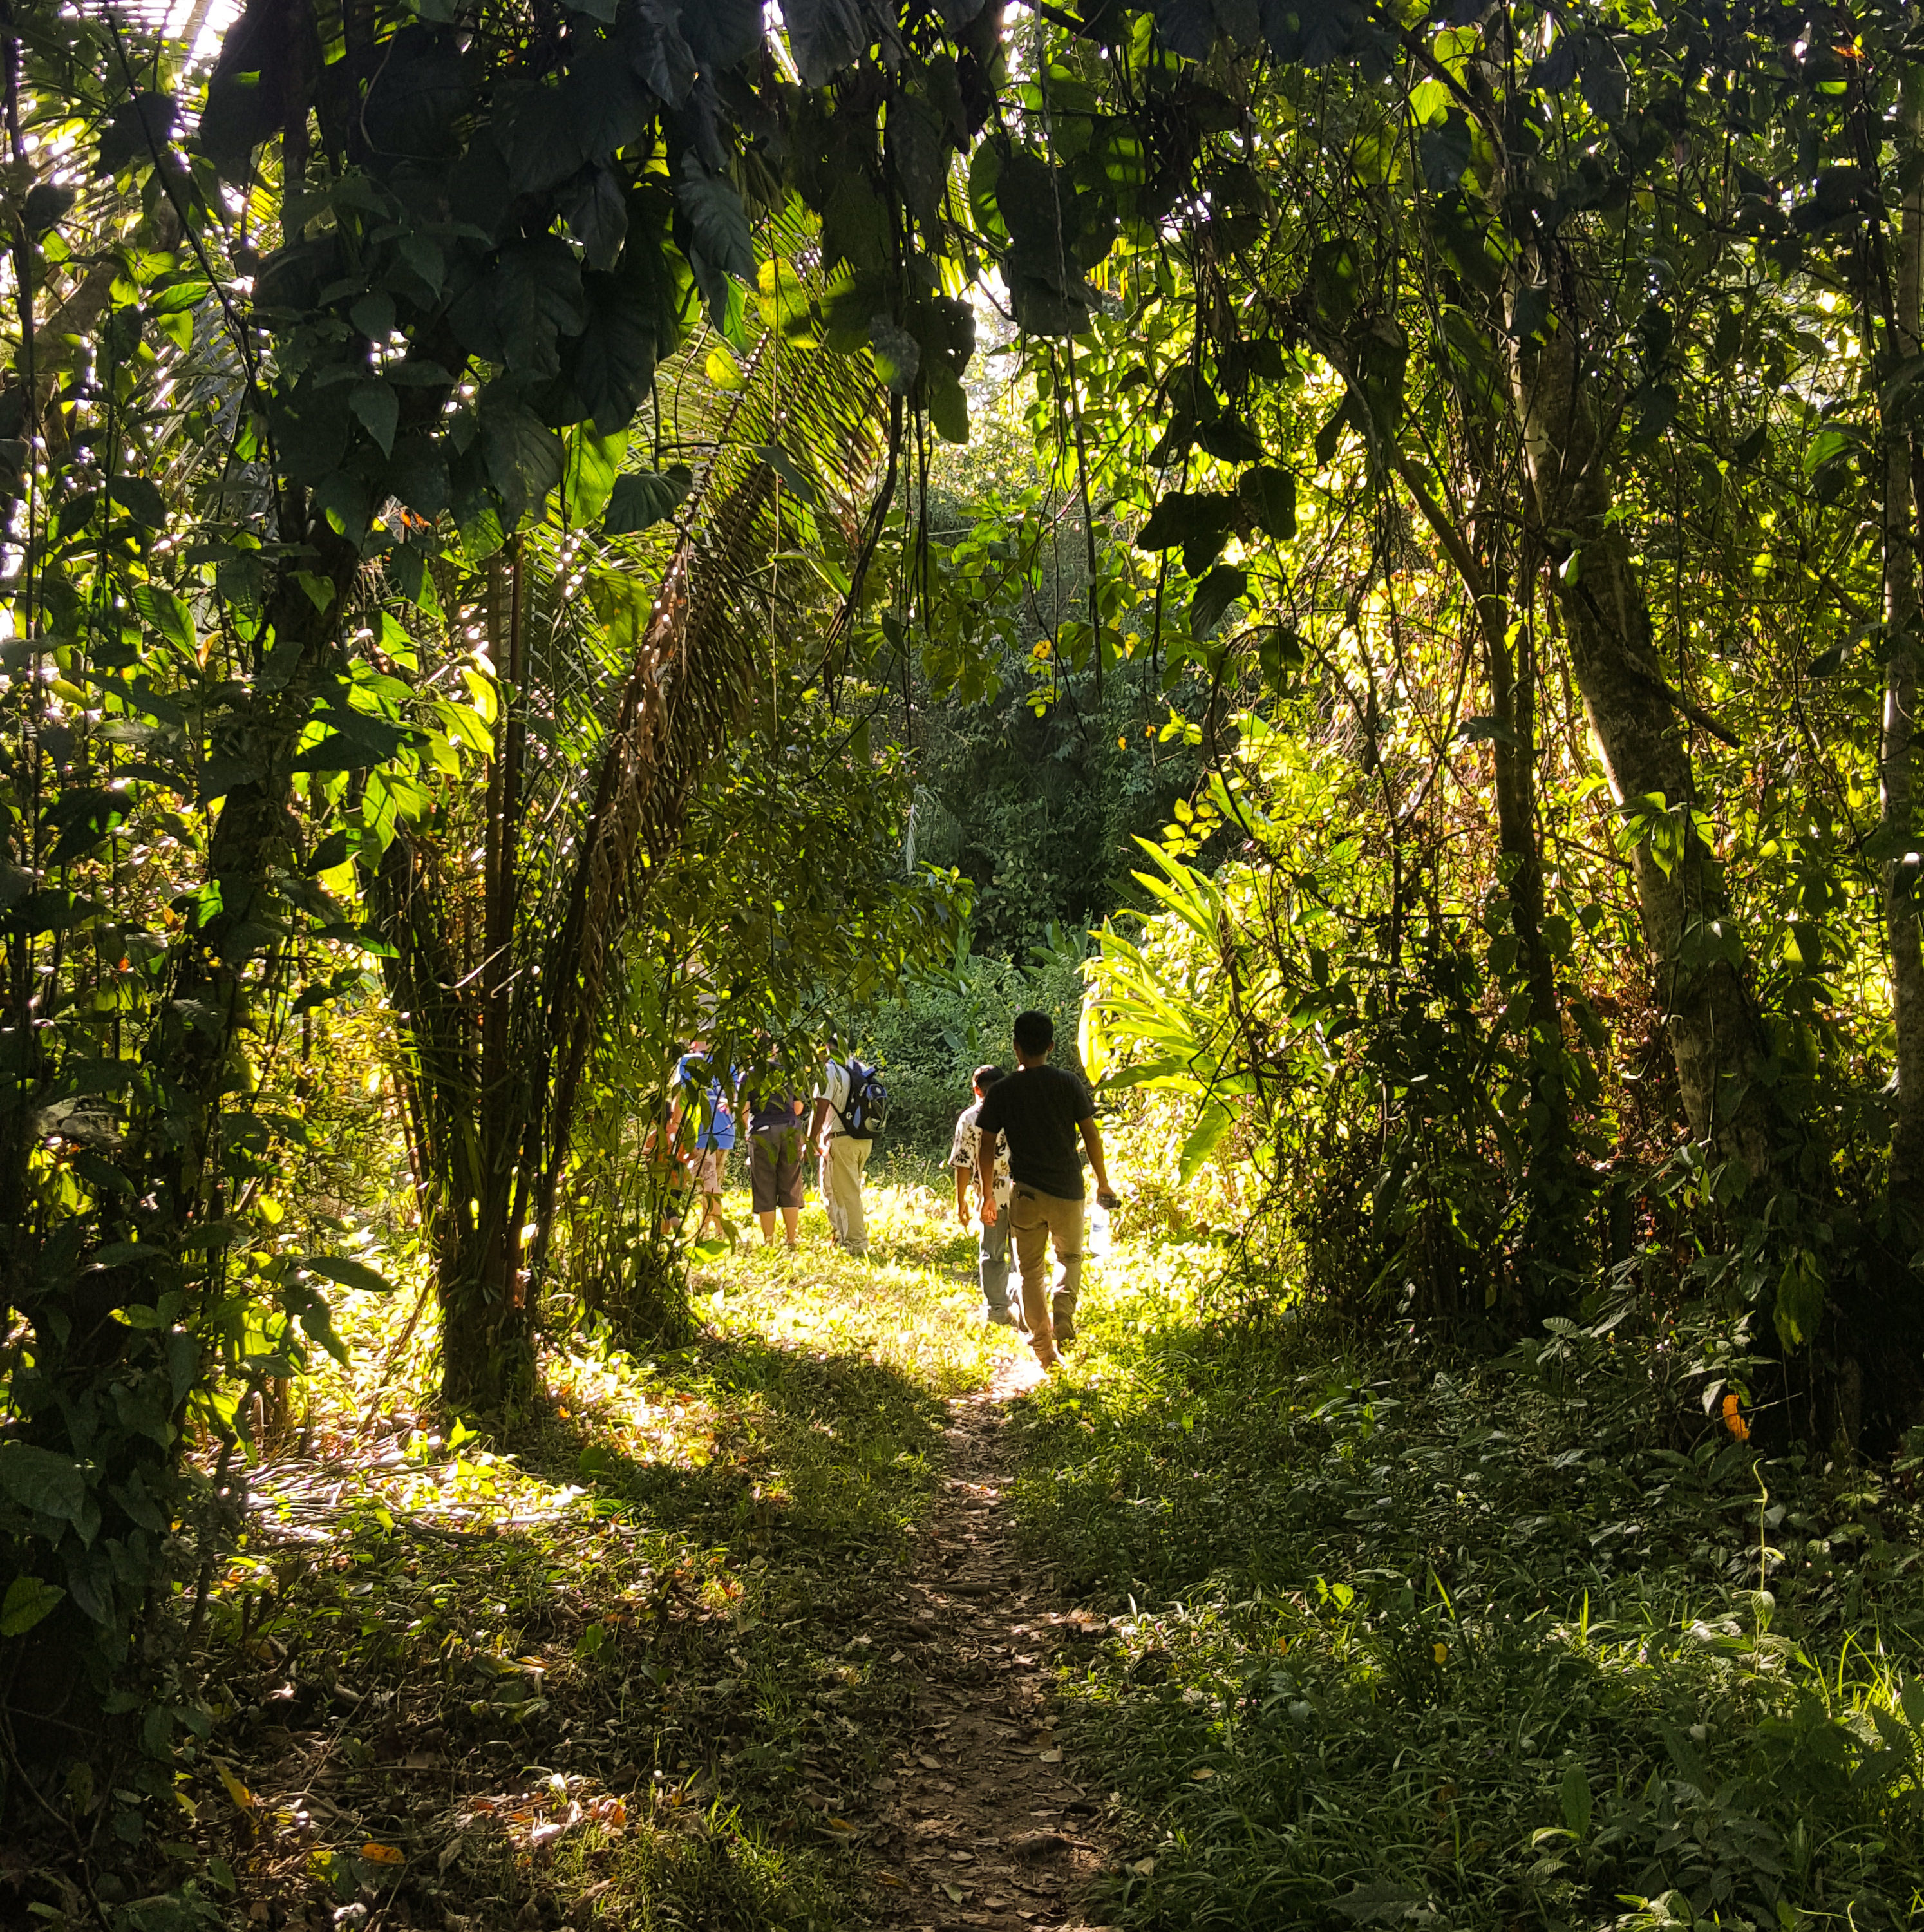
1050, 1756
383, 1855
928, 1763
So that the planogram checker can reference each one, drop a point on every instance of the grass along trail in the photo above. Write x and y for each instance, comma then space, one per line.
738, 1635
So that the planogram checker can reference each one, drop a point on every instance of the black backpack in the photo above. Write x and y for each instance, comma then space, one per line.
867, 1109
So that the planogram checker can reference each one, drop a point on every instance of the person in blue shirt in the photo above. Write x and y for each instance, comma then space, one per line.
714, 1130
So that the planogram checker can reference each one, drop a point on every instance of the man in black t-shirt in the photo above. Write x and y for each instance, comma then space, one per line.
1039, 1109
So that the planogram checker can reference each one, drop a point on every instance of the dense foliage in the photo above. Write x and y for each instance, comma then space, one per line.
498, 582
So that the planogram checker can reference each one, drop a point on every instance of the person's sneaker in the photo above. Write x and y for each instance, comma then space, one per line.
1065, 1328
1050, 1360
1001, 1317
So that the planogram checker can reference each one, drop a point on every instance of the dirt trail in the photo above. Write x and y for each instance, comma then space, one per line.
981, 1820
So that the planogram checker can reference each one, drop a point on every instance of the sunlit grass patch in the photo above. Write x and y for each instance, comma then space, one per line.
911, 1304
611, 1669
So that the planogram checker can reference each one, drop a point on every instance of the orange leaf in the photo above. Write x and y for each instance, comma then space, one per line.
383, 1855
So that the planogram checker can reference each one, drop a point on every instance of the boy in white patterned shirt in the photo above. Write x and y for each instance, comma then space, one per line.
992, 1252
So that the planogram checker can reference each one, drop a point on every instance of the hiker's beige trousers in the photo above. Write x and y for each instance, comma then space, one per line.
842, 1167
1036, 1220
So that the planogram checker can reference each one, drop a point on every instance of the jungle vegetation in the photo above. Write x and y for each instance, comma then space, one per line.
1366, 554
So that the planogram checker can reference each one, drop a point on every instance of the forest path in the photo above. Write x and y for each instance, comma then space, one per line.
980, 1821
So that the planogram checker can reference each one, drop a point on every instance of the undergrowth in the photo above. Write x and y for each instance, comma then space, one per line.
1475, 1646
611, 1673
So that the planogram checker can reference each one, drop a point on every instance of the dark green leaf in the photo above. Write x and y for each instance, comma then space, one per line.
379, 409
1199, 521
657, 50
38, 1479
898, 356
723, 33
598, 219
1230, 439
348, 1273
793, 476
720, 222
825, 36
524, 457
140, 499
641, 500
1269, 494
1214, 595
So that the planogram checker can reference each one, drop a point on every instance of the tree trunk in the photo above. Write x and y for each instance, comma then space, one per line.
1716, 1037
1897, 739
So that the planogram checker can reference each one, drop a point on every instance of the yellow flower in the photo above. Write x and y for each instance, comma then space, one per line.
1733, 1419
1441, 1653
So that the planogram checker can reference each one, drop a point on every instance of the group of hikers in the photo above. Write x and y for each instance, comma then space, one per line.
1015, 1157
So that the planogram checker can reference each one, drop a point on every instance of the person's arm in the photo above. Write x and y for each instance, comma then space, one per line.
962, 1175
986, 1139
1092, 1138
821, 1114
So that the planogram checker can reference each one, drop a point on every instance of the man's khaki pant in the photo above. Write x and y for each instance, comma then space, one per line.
1036, 1220
842, 1166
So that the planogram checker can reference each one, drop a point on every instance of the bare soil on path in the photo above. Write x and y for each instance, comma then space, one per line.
981, 1820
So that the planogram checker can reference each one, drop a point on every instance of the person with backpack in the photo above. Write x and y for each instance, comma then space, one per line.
851, 1105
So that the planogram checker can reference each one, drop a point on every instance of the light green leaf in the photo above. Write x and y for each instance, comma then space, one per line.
1215, 1121
593, 463
27, 1600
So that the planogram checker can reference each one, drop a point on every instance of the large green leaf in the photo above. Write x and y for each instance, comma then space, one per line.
348, 1274
40, 1480
723, 33
1211, 1124
641, 500
610, 364
1214, 595
593, 461
27, 1600
523, 455
654, 44
824, 36
535, 296
719, 220
1269, 494
1199, 521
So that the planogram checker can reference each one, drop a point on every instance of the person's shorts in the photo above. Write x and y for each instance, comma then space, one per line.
774, 1169
710, 1165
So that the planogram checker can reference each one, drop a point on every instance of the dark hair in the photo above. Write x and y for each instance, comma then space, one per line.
1034, 1033
983, 1078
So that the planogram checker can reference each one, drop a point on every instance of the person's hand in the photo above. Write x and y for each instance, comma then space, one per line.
1107, 1199
962, 1212
989, 1210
